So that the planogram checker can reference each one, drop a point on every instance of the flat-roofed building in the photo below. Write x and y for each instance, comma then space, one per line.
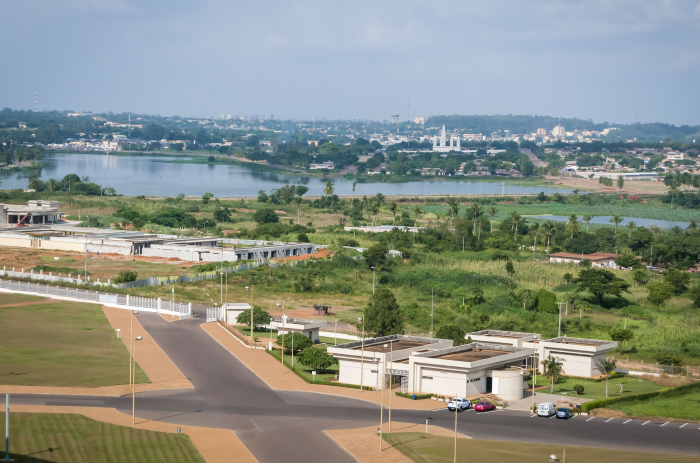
39, 211
363, 362
309, 328
470, 369
598, 259
579, 356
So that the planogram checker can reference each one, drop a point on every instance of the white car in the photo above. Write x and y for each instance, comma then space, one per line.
546, 409
459, 404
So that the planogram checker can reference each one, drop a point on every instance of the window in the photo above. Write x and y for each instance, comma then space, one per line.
427, 377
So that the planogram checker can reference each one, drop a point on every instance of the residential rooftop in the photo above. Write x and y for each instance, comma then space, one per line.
396, 342
505, 334
578, 341
473, 352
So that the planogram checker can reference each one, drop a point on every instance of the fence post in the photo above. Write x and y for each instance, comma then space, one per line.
158, 305
189, 308
127, 300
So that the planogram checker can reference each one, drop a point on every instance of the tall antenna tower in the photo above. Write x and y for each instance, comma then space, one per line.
36, 102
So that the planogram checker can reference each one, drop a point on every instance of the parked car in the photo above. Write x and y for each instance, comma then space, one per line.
484, 406
546, 409
565, 413
458, 404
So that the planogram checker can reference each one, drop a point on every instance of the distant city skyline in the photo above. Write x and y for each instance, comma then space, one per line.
622, 61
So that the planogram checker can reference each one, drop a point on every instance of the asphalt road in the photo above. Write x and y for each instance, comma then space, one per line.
286, 426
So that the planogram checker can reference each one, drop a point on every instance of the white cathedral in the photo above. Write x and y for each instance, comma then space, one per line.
440, 143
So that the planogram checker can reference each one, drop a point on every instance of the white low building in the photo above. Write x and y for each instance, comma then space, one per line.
361, 362
309, 328
469, 370
233, 310
579, 356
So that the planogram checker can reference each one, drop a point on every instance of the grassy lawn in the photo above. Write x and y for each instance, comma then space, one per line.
6, 298
684, 407
303, 371
596, 390
42, 437
265, 336
422, 448
62, 344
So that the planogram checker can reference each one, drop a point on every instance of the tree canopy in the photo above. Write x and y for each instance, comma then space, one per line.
383, 316
600, 282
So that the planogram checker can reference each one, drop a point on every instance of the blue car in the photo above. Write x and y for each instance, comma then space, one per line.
564, 413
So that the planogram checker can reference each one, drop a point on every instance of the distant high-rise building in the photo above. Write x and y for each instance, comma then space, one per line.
542, 132
559, 132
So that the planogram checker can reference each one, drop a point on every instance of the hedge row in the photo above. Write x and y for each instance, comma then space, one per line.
670, 392
418, 396
324, 383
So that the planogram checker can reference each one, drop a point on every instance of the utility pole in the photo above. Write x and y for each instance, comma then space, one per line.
432, 310
85, 277
221, 302
7, 428
559, 332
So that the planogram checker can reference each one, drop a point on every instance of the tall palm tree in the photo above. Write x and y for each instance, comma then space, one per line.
606, 367
476, 212
631, 225
516, 218
34, 183
553, 368
549, 227
393, 207
492, 212
417, 210
378, 200
617, 220
297, 199
352, 203
51, 184
364, 203
587, 218
674, 191
328, 190
572, 226
453, 205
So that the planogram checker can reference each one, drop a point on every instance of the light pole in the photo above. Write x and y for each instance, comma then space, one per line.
432, 311
271, 332
251, 314
283, 334
391, 378
335, 343
559, 332
221, 288
374, 276
456, 413
362, 354
85, 277
7, 428
133, 389
381, 408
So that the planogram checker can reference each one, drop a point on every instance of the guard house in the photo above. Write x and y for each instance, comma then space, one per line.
579, 356
468, 370
364, 361
39, 211
309, 328
233, 310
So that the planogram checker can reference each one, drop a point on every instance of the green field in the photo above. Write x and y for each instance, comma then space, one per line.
422, 448
683, 407
7, 298
596, 389
264, 336
304, 371
57, 437
61, 344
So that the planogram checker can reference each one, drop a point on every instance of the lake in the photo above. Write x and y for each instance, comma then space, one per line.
605, 219
156, 176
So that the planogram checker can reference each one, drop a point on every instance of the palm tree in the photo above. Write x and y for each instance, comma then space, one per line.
516, 218
553, 368
476, 212
674, 191
378, 201
631, 225
51, 184
352, 203
34, 183
417, 210
617, 220
606, 367
587, 218
364, 203
453, 205
492, 212
549, 227
393, 207
620, 181
572, 226
297, 199
328, 190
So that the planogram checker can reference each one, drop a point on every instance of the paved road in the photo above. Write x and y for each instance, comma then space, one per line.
286, 426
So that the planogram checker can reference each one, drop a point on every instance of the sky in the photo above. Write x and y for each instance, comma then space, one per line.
618, 61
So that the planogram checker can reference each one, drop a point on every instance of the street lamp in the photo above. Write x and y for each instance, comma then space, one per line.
335, 343
283, 333
362, 354
251, 315
271, 319
374, 276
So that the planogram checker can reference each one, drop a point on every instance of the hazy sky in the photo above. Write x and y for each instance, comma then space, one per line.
361, 59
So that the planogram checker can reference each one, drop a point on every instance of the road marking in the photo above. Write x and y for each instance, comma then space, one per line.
626, 421
532, 416
589, 419
438, 409
683, 426
609, 419
553, 416
645, 423
664, 424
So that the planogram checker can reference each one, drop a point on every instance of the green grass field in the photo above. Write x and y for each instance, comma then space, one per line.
422, 448
61, 344
304, 371
7, 298
684, 407
56, 437
596, 390
264, 336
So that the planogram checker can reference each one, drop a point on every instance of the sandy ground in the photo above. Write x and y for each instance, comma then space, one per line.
153, 361
277, 377
363, 443
215, 445
321, 254
631, 186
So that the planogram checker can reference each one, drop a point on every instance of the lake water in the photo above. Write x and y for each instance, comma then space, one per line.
605, 219
155, 176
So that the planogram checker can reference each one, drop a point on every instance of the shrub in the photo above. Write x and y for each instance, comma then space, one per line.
668, 359
126, 276
578, 389
418, 396
546, 301
265, 216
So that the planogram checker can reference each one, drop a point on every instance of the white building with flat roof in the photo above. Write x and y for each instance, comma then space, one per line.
309, 328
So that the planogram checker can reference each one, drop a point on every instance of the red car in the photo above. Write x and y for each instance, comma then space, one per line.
484, 406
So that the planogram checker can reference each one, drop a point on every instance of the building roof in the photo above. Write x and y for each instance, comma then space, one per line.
578, 341
504, 334
473, 352
399, 341
592, 257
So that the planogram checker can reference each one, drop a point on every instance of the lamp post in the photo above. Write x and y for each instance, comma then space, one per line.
7, 428
251, 314
133, 389
335, 343
271, 319
85, 277
374, 276
456, 413
381, 407
221, 287
362, 354
432, 311
391, 377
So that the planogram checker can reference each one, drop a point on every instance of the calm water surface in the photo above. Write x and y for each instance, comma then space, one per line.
155, 176
605, 219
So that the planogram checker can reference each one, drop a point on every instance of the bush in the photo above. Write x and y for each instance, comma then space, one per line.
418, 396
265, 216
546, 301
668, 359
126, 276
578, 389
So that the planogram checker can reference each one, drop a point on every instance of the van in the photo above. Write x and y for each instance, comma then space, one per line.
546, 409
